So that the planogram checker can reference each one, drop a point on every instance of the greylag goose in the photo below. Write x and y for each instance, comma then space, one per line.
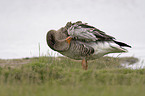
81, 41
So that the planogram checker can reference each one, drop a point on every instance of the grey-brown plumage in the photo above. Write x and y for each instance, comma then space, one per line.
78, 50
56, 41
86, 32
81, 41
75, 50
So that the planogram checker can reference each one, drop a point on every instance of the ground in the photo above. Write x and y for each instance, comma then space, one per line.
49, 76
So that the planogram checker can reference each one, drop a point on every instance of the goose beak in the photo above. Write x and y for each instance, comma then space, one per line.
68, 39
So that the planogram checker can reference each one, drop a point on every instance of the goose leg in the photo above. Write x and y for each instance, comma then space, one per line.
68, 39
84, 64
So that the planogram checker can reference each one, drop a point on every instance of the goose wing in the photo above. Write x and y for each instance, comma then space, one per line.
85, 32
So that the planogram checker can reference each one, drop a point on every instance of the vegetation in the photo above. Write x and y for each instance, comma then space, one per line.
48, 76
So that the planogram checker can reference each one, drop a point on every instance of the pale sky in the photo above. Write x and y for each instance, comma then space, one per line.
24, 23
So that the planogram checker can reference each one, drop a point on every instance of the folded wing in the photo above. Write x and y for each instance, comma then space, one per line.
85, 32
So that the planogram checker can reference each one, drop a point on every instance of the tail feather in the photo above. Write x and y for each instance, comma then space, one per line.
122, 44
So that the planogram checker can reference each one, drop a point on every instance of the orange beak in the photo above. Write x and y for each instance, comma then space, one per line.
68, 39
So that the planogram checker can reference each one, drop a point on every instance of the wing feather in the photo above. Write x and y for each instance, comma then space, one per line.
83, 31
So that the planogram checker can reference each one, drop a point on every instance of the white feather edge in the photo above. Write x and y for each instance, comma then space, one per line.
102, 48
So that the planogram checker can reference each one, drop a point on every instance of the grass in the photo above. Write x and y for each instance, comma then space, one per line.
47, 76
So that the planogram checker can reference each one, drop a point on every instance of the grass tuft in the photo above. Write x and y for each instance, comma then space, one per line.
48, 76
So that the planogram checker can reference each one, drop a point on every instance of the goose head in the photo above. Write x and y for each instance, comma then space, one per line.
54, 41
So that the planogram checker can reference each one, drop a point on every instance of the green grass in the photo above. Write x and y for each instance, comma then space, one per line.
47, 76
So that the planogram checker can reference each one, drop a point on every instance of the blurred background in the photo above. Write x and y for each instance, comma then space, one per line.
25, 23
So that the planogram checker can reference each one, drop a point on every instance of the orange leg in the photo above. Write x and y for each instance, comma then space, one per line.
68, 39
84, 64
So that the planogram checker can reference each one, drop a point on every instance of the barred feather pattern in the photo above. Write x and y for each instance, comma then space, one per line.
87, 33
78, 50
